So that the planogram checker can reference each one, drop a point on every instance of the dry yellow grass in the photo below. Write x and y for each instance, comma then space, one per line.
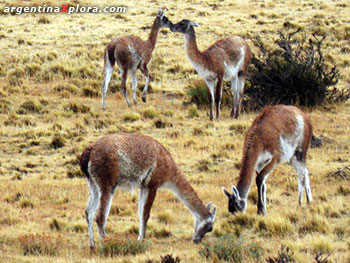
50, 73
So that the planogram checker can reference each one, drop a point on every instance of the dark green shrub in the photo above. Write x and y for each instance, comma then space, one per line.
295, 73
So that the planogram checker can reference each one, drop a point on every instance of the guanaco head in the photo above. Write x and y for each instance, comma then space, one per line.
204, 226
235, 202
183, 26
163, 20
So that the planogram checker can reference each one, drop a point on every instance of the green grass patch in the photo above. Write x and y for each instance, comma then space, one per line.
122, 247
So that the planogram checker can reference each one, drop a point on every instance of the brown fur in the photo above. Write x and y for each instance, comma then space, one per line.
135, 160
278, 134
132, 53
143, 152
212, 59
264, 134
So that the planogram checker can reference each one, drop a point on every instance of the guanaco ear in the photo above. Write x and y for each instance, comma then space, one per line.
194, 24
161, 13
225, 192
235, 192
213, 214
209, 205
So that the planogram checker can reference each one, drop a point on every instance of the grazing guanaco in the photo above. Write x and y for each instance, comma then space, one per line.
137, 161
227, 58
132, 53
278, 134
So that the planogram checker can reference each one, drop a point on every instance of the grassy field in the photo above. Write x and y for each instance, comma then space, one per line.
51, 73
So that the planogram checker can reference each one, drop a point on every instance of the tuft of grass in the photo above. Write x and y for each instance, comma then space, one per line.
66, 87
343, 190
161, 124
90, 92
39, 245
169, 259
149, 113
284, 256
44, 20
322, 245
275, 226
162, 233
77, 108
198, 93
313, 225
193, 112
122, 247
73, 171
203, 165
29, 107
5, 241
26, 203
5, 106
15, 75
243, 219
57, 141
131, 116
232, 249
238, 128
165, 217
197, 131
56, 225
78, 228
173, 134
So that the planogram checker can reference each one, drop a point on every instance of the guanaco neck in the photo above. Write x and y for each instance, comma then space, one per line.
247, 171
192, 51
187, 195
152, 37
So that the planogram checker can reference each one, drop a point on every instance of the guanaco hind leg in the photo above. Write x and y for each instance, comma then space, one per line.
93, 203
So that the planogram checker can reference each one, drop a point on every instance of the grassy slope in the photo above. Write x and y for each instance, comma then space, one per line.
53, 64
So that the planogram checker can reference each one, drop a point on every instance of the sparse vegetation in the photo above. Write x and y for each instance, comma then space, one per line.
229, 248
121, 247
131, 116
39, 245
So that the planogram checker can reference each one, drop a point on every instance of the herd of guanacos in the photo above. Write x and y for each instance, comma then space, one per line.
279, 134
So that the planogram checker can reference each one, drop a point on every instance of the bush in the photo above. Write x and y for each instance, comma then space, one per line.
231, 249
295, 73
